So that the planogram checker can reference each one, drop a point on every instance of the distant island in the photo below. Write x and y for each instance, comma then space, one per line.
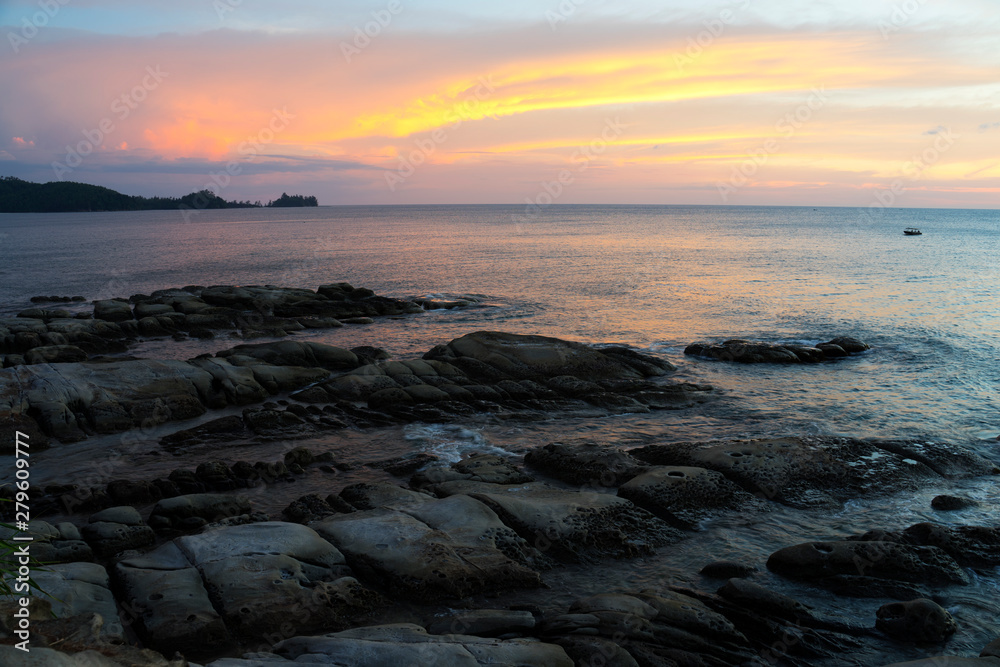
18, 196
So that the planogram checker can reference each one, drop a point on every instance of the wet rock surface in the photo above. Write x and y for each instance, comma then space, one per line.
71, 401
817, 471
447, 545
685, 496
408, 644
587, 463
248, 311
413, 558
879, 559
509, 375
241, 582
573, 526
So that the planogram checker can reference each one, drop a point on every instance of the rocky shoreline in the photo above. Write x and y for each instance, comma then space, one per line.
184, 568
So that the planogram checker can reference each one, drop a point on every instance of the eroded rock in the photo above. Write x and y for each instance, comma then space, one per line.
573, 526
883, 560
192, 511
815, 470
587, 463
919, 620
685, 496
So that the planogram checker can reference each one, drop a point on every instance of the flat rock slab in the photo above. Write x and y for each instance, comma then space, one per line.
810, 471
172, 608
254, 578
574, 526
48, 657
406, 644
368, 496
414, 559
80, 588
468, 520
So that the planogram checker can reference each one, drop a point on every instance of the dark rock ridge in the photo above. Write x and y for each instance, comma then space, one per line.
37, 329
742, 624
252, 311
510, 374
205, 484
878, 559
898, 565
208, 576
820, 470
682, 496
56, 299
756, 352
486, 372
73, 400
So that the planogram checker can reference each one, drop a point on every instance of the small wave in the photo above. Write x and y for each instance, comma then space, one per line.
447, 301
806, 342
450, 442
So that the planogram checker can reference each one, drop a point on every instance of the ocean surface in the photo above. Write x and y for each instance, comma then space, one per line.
653, 277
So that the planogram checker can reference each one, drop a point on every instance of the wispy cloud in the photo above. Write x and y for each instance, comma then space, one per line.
546, 94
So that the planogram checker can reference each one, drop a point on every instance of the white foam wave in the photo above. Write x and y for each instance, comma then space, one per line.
450, 442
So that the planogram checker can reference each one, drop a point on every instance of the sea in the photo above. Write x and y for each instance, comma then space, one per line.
656, 278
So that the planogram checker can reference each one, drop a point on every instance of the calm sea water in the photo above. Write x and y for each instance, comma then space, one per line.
656, 278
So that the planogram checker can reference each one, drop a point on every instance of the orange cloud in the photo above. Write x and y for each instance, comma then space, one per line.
514, 111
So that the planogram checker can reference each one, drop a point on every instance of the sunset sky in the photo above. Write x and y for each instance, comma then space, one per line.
814, 102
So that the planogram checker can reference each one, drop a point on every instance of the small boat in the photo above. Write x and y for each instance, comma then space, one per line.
912, 231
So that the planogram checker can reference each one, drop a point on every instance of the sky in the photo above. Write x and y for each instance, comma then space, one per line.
746, 102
